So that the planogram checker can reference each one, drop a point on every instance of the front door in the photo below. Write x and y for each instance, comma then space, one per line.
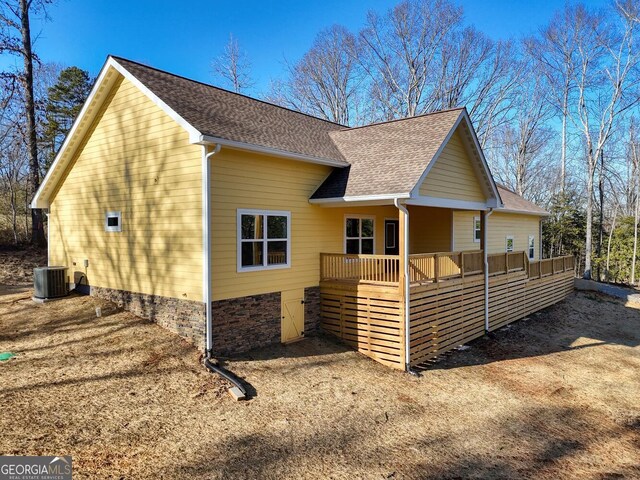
292, 315
391, 237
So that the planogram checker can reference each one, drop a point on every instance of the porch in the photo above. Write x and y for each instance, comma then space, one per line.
450, 299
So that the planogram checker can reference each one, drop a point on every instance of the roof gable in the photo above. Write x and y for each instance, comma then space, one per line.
209, 114
387, 159
458, 176
453, 174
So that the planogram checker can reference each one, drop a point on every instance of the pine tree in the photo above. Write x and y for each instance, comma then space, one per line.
64, 102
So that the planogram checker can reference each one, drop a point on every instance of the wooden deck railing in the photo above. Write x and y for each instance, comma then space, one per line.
377, 269
550, 266
434, 267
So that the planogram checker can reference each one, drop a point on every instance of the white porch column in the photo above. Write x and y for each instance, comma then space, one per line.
404, 281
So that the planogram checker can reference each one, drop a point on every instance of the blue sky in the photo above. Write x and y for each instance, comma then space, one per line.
184, 37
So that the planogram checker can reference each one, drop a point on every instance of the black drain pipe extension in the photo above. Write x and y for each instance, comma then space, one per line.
224, 373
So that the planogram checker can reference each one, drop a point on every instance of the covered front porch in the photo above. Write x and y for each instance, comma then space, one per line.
405, 309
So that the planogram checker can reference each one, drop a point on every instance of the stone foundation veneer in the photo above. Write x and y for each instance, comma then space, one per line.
184, 317
311, 310
239, 324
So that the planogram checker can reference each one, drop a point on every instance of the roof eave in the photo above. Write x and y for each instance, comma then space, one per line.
211, 140
41, 197
384, 199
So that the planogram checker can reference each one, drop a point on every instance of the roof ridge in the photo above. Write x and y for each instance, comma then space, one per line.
116, 57
402, 119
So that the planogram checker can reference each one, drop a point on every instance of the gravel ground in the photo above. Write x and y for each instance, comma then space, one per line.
552, 397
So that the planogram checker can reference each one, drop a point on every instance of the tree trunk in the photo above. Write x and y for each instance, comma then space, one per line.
563, 147
613, 227
588, 244
601, 219
14, 212
37, 225
636, 214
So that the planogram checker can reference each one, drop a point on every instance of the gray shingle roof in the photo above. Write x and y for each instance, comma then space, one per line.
231, 116
387, 158
514, 202
380, 159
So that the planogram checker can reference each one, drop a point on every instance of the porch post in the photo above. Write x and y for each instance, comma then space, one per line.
484, 241
403, 287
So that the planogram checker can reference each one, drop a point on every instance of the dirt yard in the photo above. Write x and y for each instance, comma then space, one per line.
16, 268
554, 396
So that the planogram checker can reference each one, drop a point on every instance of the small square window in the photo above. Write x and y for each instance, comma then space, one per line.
113, 222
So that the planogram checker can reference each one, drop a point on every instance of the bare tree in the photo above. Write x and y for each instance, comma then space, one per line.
325, 81
12, 171
606, 81
15, 38
523, 143
399, 52
633, 195
554, 52
233, 67
479, 73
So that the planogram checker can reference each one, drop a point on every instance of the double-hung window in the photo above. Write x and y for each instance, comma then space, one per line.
532, 247
509, 245
477, 229
264, 240
359, 233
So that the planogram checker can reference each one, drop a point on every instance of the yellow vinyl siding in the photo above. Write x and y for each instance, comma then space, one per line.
501, 225
137, 160
504, 224
453, 175
429, 229
243, 180
463, 230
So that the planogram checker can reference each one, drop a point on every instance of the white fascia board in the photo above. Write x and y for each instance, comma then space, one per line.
194, 135
523, 212
485, 165
206, 139
39, 201
496, 201
362, 200
447, 203
415, 192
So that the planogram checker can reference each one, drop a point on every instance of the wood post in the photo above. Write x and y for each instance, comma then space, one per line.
436, 267
462, 264
506, 262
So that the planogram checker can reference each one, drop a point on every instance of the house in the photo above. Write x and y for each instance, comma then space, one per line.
238, 224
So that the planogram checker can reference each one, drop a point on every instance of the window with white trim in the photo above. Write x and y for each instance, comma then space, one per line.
477, 229
264, 239
359, 233
509, 244
113, 222
532, 247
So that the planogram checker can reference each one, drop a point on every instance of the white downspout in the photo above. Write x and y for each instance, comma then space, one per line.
207, 290
407, 296
485, 234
